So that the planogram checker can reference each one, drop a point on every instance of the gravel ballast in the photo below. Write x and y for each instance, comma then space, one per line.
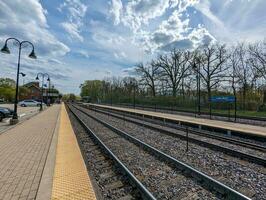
245, 177
162, 180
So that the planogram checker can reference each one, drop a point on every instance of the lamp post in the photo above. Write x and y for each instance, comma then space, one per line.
5, 49
134, 93
48, 94
197, 70
111, 95
42, 75
23, 75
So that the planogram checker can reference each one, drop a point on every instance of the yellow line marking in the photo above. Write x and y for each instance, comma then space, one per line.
71, 180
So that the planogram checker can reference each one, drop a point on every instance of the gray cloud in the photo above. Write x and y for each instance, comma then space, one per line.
161, 38
179, 44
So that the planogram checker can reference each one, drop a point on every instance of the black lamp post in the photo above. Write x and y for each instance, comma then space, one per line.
197, 70
134, 93
48, 94
42, 75
111, 95
23, 75
5, 49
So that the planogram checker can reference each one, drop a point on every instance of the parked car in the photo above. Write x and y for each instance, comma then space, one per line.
26, 103
5, 113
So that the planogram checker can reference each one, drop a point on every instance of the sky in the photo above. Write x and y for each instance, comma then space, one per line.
77, 40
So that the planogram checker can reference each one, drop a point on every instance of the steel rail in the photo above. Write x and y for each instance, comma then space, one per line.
205, 180
142, 189
235, 153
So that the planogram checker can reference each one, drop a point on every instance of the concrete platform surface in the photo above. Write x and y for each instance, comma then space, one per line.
237, 127
23, 154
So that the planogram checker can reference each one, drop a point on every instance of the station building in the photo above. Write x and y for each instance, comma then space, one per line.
35, 92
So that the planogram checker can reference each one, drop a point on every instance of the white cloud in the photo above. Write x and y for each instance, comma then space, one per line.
170, 33
139, 12
171, 29
117, 45
116, 10
234, 20
73, 30
201, 36
75, 13
174, 32
83, 53
26, 20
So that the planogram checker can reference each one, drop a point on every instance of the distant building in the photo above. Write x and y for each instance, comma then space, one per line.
35, 92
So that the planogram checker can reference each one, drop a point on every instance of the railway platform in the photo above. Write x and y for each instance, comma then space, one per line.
40, 159
229, 127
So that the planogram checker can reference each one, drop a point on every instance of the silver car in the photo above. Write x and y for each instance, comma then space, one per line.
26, 103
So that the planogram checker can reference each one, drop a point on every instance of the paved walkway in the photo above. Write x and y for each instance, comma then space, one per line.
242, 128
23, 153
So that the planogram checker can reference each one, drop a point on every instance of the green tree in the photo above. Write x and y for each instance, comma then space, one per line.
7, 82
69, 97
92, 89
7, 89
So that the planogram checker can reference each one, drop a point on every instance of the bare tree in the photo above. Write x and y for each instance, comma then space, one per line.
148, 75
212, 69
245, 72
174, 69
233, 62
258, 57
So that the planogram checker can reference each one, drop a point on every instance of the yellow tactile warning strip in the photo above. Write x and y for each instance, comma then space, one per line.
71, 180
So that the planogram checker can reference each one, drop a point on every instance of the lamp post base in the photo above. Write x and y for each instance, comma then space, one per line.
13, 121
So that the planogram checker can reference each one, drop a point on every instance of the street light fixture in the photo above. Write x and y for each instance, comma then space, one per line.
22, 74
5, 49
48, 79
32, 55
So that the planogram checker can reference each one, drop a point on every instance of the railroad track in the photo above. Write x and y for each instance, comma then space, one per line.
110, 173
229, 139
213, 186
190, 138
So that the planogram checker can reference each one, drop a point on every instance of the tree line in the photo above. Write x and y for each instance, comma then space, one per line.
238, 70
